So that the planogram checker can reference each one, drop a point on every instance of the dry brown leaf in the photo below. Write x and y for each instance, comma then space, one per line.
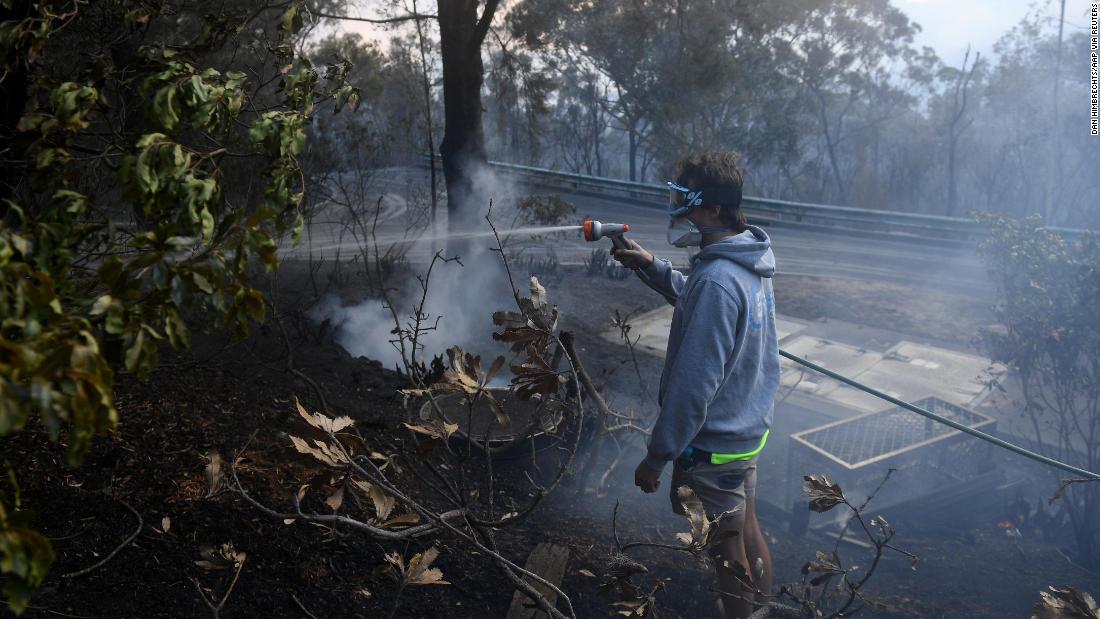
433, 428
336, 499
825, 566
323, 422
495, 367
824, 495
385, 462
324, 452
535, 375
383, 503
215, 475
696, 515
1066, 603
533, 325
538, 294
464, 374
503, 420
397, 561
420, 572
518, 331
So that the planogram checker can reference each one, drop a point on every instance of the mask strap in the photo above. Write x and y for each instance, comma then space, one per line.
715, 229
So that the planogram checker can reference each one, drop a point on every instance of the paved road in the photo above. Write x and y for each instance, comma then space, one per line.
799, 250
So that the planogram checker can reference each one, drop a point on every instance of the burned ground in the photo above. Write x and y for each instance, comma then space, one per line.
238, 399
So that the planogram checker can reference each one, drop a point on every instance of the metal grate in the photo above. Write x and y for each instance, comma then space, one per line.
872, 437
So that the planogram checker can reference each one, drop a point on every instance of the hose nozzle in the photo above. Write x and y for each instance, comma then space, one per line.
594, 230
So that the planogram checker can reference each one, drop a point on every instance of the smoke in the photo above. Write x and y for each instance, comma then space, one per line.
461, 295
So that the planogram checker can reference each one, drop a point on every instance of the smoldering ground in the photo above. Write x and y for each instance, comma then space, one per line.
915, 307
452, 283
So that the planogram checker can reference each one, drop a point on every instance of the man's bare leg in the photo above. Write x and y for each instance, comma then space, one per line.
756, 549
737, 600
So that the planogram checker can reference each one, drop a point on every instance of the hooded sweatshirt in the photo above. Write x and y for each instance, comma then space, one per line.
722, 363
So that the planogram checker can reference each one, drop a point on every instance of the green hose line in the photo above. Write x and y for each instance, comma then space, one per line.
1069, 468
940, 419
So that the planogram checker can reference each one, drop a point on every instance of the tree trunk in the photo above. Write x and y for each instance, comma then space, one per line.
830, 148
428, 113
952, 187
463, 153
596, 132
633, 152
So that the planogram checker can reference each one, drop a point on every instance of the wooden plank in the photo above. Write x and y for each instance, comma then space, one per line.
548, 561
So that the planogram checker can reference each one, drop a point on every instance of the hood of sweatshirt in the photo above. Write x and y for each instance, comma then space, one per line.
751, 249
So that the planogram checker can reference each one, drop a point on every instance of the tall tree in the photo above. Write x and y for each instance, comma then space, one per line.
461, 33
462, 30
957, 124
682, 75
838, 52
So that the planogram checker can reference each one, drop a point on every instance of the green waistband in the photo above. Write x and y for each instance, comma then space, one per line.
726, 458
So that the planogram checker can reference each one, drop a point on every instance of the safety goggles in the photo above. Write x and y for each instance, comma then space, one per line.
681, 199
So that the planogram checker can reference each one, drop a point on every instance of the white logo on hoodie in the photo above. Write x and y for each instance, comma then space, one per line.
759, 299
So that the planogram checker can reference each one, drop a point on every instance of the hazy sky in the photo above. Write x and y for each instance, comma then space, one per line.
949, 25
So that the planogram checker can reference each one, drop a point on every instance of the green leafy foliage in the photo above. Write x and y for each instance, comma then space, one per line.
545, 210
1049, 298
25, 554
96, 275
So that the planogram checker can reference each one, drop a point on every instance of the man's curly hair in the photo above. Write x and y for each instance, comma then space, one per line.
715, 168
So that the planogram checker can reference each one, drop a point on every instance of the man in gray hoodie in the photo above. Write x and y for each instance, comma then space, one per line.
721, 368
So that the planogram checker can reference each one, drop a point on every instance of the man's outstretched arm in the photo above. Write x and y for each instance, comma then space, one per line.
657, 273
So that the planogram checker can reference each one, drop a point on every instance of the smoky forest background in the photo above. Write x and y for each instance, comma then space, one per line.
296, 318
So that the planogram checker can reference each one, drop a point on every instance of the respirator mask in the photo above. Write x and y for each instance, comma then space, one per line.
682, 232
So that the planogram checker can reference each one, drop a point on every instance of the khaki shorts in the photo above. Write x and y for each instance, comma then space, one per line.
721, 488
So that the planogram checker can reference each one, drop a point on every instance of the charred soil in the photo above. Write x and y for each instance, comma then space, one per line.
236, 400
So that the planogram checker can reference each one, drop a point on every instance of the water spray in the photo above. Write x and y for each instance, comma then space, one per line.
594, 231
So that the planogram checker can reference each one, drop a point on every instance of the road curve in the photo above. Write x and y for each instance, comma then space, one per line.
799, 249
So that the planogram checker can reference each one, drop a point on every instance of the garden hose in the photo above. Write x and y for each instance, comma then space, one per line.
1027, 453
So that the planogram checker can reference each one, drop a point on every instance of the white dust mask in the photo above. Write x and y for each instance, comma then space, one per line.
682, 232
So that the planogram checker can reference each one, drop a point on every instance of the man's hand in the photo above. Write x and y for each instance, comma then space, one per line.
646, 478
634, 258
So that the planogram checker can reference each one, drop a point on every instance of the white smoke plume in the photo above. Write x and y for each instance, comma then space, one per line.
460, 300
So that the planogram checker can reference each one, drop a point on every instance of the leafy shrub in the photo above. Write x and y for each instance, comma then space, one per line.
122, 206
600, 263
597, 263
547, 210
1049, 298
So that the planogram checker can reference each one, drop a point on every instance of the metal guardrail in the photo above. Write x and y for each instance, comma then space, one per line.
766, 210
